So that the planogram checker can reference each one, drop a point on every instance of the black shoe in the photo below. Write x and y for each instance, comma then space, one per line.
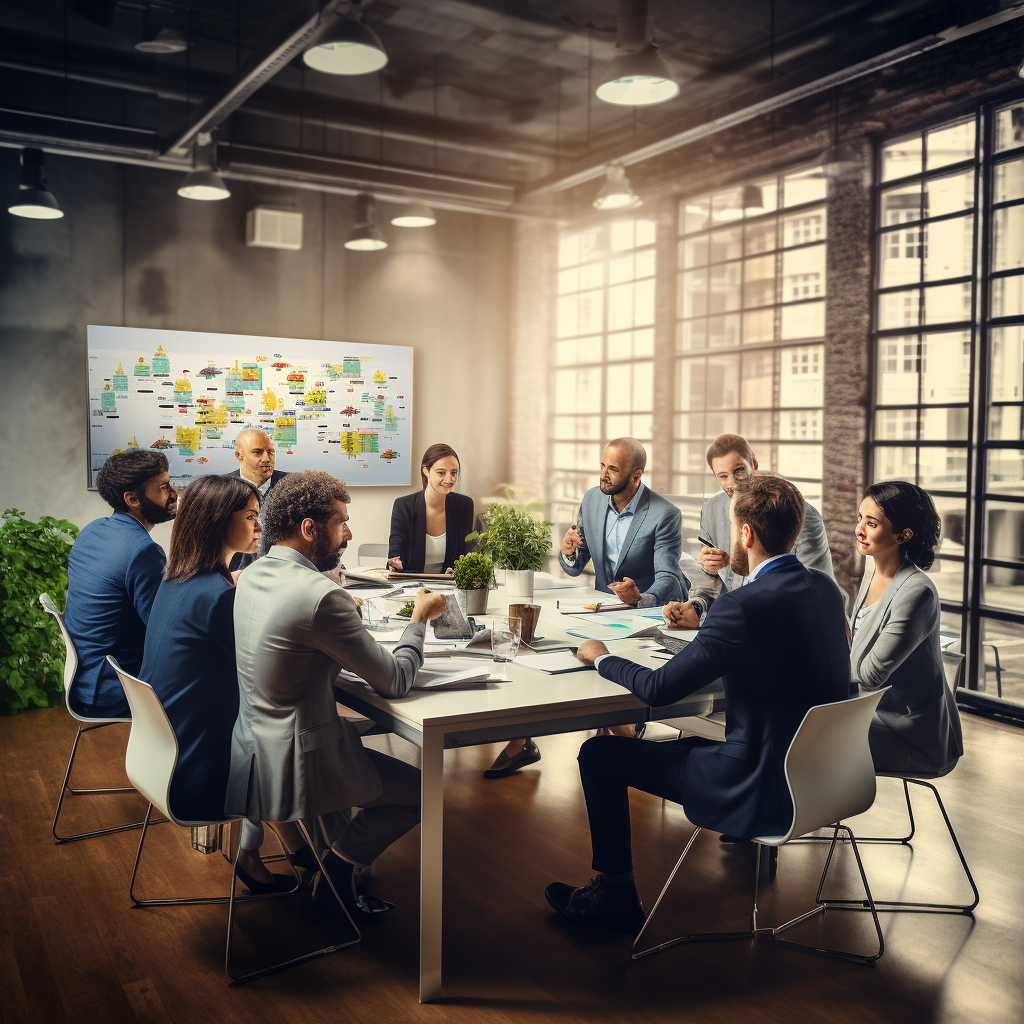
359, 903
592, 904
278, 883
505, 765
723, 838
638, 730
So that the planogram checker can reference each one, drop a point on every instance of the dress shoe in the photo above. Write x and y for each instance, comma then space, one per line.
505, 765
277, 883
596, 903
359, 903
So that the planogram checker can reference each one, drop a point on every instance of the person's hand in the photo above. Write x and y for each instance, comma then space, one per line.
712, 559
590, 650
625, 590
427, 605
680, 615
396, 564
570, 542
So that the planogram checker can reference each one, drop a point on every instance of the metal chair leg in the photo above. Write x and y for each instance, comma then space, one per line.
237, 979
65, 788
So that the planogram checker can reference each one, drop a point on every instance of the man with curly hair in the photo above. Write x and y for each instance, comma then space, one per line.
292, 756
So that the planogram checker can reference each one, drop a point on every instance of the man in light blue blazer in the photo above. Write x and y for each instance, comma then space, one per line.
633, 535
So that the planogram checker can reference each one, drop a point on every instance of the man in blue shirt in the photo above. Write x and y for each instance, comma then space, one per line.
114, 571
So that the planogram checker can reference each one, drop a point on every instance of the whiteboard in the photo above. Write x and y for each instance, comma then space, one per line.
333, 406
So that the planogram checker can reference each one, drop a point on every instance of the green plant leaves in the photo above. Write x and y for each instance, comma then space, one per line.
515, 538
473, 571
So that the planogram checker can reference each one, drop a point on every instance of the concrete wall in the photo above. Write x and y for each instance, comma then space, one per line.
130, 251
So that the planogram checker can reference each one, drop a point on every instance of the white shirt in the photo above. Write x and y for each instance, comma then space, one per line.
434, 559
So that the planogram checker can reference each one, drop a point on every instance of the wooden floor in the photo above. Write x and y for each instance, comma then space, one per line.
72, 949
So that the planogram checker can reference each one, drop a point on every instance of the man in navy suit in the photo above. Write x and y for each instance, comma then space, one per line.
779, 645
255, 454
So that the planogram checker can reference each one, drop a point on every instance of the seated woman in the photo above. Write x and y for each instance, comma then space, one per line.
895, 623
428, 528
189, 657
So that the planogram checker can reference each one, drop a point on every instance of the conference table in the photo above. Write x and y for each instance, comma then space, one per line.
526, 703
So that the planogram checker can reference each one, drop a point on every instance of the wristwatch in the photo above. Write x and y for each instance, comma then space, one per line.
700, 608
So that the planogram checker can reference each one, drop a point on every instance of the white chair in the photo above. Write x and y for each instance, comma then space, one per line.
84, 725
830, 777
371, 552
150, 761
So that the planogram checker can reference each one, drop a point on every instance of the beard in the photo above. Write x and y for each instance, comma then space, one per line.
739, 561
155, 513
614, 488
325, 553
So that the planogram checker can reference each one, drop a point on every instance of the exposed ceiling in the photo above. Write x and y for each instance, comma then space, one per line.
484, 104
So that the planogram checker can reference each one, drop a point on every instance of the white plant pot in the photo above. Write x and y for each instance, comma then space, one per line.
519, 585
472, 602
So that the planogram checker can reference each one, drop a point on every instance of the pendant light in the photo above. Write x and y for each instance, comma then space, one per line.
203, 182
348, 47
617, 193
365, 236
415, 215
34, 200
753, 199
638, 77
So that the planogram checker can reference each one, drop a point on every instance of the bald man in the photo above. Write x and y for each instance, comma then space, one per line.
255, 454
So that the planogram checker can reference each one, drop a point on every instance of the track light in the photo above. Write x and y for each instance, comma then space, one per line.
617, 193
34, 199
415, 215
348, 47
203, 182
365, 236
639, 76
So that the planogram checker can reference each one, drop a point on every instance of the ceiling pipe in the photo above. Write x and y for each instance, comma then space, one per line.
594, 166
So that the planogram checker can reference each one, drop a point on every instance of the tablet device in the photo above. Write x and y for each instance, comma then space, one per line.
451, 624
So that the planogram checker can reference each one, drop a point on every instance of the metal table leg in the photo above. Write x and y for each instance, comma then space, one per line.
431, 852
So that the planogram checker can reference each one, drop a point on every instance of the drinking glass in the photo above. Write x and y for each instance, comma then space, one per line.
379, 615
505, 633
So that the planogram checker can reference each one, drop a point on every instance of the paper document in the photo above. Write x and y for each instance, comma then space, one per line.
455, 674
552, 664
592, 607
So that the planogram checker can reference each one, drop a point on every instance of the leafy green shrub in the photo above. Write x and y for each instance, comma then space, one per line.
33, 560
473, 571
514, 538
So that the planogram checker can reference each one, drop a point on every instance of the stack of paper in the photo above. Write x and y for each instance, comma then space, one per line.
552, 664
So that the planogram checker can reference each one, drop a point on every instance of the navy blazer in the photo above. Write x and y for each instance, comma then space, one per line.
239, 560
190, 662
779, 645
409, 529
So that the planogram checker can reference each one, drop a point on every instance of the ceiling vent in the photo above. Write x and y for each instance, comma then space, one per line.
273, 229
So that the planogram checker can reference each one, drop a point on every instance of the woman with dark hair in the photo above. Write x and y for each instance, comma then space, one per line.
189, 657
895, 623
429, 528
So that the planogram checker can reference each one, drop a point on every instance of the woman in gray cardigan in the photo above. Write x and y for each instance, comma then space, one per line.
895, 622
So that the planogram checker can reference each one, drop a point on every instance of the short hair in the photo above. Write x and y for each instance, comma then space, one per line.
725, 443
201, 526
433, 454
634, 449
908, 506
307, 495
128, 471
773, 508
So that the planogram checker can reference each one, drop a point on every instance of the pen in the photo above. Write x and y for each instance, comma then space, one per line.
705, 541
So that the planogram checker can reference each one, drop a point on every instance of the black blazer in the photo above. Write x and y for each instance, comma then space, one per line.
409, 529
779, 645
240, 560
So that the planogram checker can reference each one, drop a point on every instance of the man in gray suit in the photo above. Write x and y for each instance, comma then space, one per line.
633, 535
292, 756
732, 461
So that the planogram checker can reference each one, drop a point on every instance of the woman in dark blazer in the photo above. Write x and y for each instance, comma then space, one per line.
189, 657
429, 528
895, 623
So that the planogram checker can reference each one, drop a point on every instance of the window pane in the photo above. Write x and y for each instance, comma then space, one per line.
756, 426
899, 256
1004, 530
568, 281
946, 367
691, 334
759, 281
948, 576
694, 214
759, 326
1009, 180
578, 428
896, 425
1003, 639
1006, 471
1004, 588
944, 424
622, 268
801, 228
800, 460
725, 206
800, 425
895, 464
949, 248
1007, 239
949, 194
578, 390
804, 320
1007, 361
950, 145
899, 309
1006, 423
693, 293
948, 303
723, 331
576, 456
901, 204
580, 314
760, 237
757, 379
804, 187
631, 304
898, 366
1008, 296
1010, 127
726, 245
901, 158
801, 375
943, 469
724, 288
578, 350
803, 274
694, 251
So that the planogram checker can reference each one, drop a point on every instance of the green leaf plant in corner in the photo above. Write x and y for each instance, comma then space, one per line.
33, 560
513, 536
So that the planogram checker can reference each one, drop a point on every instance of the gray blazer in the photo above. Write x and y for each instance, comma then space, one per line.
650, 550
811, 547
916, 727
291, 755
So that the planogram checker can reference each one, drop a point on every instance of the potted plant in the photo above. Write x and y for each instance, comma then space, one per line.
33, 560
473, 575
517, 542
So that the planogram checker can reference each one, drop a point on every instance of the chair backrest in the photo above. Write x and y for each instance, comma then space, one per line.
71, 655
152, 746
374, 551
953, 665
828, 765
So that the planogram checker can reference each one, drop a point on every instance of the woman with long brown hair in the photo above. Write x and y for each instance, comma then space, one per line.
429, 527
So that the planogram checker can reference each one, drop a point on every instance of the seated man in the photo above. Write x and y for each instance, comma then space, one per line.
292, 756
255, 454
114, 571
633, 534
732, 461
779, 645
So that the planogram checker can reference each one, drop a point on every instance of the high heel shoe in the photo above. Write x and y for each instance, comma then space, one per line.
278, 883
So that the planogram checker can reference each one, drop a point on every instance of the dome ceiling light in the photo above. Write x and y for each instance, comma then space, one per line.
34, 200
617, 193
638, 77
203, 182
348, 47
365, 236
